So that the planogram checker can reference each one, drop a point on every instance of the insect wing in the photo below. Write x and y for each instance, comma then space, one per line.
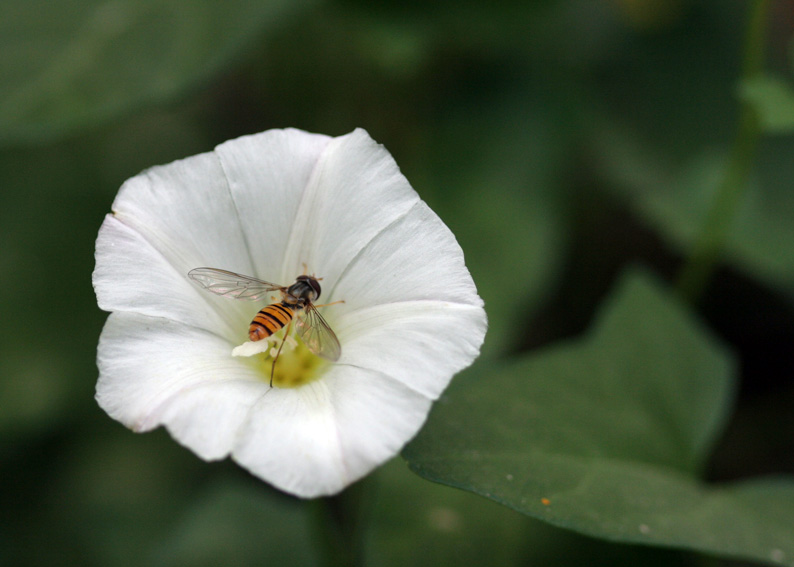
317, 335
229, 284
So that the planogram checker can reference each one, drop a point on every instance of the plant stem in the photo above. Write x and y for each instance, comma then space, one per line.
339, 521
708, 245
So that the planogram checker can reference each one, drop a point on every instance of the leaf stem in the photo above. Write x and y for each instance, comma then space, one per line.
708, 245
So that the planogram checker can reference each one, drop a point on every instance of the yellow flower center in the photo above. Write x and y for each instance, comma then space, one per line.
295, 366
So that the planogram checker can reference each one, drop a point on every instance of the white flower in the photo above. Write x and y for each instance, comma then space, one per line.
274, 206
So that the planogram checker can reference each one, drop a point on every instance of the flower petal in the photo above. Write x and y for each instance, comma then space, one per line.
187, 213
166, 221
267, 175
157, 372
131, 275
415, 258
315, 440
355, 192
421, 344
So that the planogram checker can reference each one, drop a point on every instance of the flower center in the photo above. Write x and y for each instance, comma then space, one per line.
295, 366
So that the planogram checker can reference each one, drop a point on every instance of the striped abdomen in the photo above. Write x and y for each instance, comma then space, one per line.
270, 320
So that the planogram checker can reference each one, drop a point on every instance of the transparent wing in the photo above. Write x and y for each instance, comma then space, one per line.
229, 284
317, 335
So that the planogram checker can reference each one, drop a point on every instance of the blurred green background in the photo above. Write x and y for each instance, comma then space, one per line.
561, 141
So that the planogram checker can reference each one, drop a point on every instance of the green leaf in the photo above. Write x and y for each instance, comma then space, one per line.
773, 100
73, 63
417, 523
605, 436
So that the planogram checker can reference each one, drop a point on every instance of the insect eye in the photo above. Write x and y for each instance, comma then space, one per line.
315, 285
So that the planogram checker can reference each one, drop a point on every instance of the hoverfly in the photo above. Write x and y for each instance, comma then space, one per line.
296, 305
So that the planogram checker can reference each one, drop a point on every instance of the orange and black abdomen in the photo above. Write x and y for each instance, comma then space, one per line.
270, 320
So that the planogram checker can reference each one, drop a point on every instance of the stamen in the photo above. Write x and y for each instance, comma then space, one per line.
295, 366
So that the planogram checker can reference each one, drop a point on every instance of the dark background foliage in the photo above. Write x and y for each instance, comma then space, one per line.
573, 147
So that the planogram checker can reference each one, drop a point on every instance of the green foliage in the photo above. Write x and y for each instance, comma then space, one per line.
440, 527
267, 530
773, 100
606, 436
71, 64
674, 202
508, 210
443, 526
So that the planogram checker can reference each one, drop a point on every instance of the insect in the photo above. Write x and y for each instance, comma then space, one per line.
297, 304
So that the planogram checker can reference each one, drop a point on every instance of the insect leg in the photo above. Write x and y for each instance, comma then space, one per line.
283, 340
327, 304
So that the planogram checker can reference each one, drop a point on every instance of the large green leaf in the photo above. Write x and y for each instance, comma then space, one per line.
425, 525
72, 63
606, 436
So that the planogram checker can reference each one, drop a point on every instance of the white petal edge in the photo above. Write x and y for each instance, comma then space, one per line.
414, 258
316, 440
268, 175
131, 275
154, 371
421, 344
355, 191
166, 221
185, 211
